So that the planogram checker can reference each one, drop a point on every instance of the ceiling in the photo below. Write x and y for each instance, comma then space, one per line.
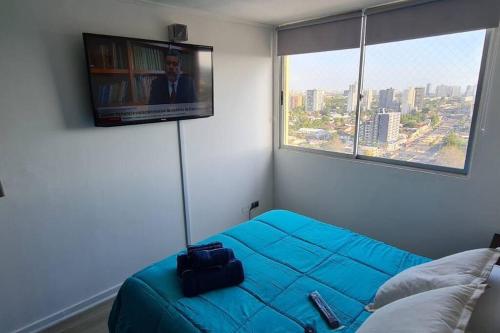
273, 12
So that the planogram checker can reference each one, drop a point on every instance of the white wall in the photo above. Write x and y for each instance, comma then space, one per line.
430, 214
86, 206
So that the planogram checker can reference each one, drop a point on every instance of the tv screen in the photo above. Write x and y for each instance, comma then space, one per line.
134, 81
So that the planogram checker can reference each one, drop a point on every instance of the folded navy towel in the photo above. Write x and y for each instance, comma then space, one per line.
207, 258
184, 260
209, 246
182, 263
195, 282
203, 259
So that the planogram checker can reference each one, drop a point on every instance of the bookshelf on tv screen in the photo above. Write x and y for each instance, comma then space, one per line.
135, 81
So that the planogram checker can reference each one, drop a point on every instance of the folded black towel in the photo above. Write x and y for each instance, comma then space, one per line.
184, 260
198, 281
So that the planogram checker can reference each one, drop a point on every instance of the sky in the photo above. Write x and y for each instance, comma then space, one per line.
450, 59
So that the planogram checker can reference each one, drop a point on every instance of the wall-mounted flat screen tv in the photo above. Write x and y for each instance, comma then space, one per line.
134, 81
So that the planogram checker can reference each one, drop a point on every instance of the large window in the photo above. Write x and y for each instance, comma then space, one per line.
418, 100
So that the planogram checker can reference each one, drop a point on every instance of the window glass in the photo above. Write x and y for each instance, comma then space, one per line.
319, 100
419, 97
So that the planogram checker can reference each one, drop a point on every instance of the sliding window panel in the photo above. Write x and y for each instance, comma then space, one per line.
419, 99
319, 100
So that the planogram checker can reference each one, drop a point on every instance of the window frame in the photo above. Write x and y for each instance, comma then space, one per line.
282, 116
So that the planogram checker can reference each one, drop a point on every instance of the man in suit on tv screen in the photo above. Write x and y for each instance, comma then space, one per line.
174, 87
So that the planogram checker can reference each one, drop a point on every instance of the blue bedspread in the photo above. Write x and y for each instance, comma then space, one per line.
285, 257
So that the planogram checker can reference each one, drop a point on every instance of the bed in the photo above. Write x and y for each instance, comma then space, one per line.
285, 256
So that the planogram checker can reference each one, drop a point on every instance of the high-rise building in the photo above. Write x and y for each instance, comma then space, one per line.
448, 91
314, 100
296, 100
419, 97
382, 128
456, 91
368, 132
352, 97
442, 91
368, 98
388, 126
408, 100
428, 90
386, 98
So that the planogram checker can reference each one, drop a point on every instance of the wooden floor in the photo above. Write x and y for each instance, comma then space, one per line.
94, 320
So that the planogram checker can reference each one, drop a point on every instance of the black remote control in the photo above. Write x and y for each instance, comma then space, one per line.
325, 310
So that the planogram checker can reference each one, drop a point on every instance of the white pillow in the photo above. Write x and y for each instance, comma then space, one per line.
443, 310
485, 318
467, 267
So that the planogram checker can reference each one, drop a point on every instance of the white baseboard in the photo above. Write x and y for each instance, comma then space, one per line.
70, 311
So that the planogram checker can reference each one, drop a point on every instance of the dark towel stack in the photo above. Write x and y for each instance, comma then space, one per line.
208, 267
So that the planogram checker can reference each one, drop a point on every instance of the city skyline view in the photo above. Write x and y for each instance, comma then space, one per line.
421, 110
434, 54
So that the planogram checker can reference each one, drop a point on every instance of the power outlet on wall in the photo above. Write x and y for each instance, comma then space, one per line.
247, 210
